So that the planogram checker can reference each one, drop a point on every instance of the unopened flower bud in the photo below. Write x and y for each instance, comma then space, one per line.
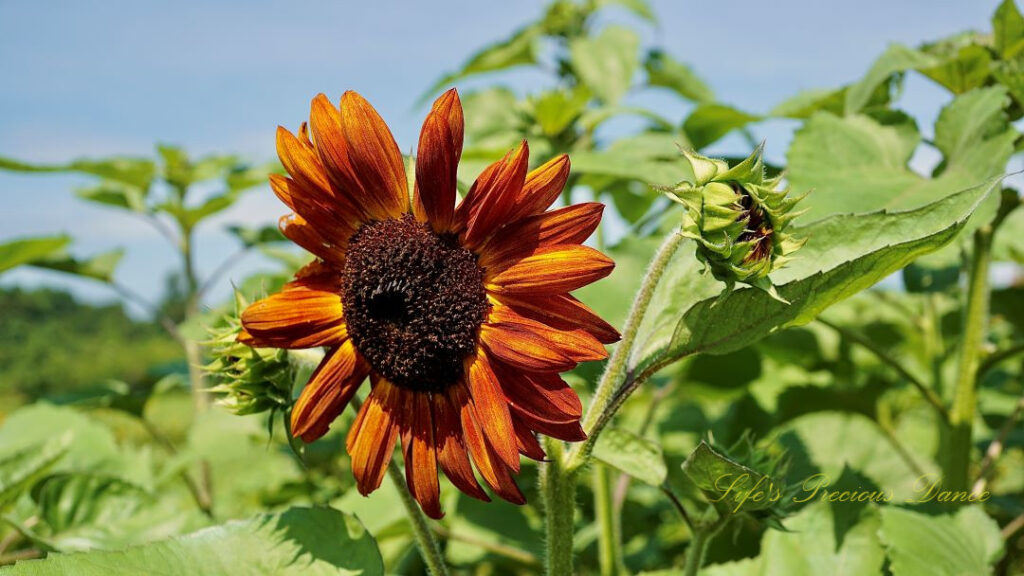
738, 219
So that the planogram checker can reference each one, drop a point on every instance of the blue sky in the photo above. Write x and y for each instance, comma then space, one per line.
115, 77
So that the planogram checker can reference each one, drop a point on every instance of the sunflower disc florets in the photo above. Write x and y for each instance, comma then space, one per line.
738, 219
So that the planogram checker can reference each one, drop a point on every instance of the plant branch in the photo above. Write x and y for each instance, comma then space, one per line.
995, 448
503, 550
558, 487
609, 536
678, 505
998, 357
615, 373
927, 393
221, 269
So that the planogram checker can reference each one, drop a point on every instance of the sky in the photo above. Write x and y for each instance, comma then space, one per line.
116, 77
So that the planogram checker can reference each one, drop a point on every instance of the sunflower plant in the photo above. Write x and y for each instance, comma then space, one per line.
565, 335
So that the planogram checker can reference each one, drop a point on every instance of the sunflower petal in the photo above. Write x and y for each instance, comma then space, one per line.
301, 163
332, 148
545, 396
543, 185
549, 270
328, 392
569, 225
451, 449
561, 311
371, 439
494, 473
437, 162
523, 349
569, 432
492, 408
488, 203
296, 229
528, 444
576, 344
375, 158
306, 314
420, 455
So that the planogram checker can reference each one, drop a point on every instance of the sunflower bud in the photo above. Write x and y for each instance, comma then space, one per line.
251, 380
738, 219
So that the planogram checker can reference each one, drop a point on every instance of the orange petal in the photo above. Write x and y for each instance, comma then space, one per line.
296, 229
333, 152
437, 162
523, 349
576, 344
451, 450
543, 185
488, 203
561, 311
569, 225
301, 163
333, 221
328, 392
487, 462
554, 269
371, 439
303, 315
544, 396
528, 444
570, 431
376, 161
420, 457
491, 408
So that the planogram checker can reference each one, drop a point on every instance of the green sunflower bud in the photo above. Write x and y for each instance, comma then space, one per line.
252, 380
738, 219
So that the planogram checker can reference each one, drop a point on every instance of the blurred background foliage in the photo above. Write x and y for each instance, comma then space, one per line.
109, 438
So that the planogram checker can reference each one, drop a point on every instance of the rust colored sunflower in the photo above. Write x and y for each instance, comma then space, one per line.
461, 316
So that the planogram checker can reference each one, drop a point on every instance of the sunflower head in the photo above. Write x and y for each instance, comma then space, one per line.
459, 314
738, 218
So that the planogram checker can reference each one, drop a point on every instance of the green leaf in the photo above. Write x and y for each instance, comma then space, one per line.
805, 103
896, 59
555, 110
855, 164
99, 267
639, 7
26, 250
730, 486
517, 50
114, 194
634, 455
299, 541
606, 63
843, 255
811, 549
21, 469
136, 172
250, 236
1008, 30
965, 70
966, 543
667, 72
710, 122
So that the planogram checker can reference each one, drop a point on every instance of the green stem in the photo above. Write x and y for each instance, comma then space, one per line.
703, 533
428, 546
609, 536
558, 486
615, 372
961, 417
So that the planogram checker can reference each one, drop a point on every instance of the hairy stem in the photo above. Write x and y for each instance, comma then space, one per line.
428, 546
961, 417
558, 487
615, 372
702, 536
609, 536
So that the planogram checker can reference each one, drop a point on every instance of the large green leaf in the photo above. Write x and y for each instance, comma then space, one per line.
710, 122
897, 58
634, 455
855, 164
27, 250
843, 255
967, 543
99, 267
811, 549
299, 541
1008, 30
137, 172
21, 469
606, 63
667, 72
516, 50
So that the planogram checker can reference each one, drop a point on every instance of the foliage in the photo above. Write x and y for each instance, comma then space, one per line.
823, 428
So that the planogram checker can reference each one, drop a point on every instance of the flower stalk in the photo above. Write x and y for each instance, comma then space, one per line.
558, 486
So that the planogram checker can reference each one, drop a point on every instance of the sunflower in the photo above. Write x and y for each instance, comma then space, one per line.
460, 316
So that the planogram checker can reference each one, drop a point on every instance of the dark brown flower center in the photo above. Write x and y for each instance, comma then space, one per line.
759, 227
413, 302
